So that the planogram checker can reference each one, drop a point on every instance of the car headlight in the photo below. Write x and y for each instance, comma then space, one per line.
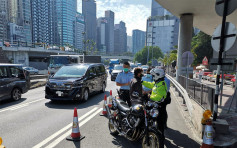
77, 84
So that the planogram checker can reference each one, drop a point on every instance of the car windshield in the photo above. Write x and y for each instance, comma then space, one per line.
71, 71
118, 67
144, 66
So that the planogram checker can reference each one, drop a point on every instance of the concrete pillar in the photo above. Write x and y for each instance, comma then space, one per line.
185, 38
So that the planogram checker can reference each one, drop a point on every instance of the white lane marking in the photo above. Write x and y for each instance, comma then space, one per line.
55, 142
62, 130
19, 106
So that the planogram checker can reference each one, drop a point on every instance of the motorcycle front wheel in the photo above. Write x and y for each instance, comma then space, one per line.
112, 129
154, 140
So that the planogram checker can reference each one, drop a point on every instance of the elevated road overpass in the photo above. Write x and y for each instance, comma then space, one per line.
30, 56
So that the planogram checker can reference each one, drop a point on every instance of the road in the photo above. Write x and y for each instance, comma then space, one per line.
37, 122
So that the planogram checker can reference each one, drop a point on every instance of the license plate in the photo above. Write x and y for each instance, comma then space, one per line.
59, 93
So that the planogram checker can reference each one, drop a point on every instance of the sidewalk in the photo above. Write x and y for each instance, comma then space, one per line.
221, 140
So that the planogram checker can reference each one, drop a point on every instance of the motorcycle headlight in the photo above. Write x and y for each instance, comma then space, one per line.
154, 113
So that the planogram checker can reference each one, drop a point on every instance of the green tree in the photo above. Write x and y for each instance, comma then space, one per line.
201, 47
141, 56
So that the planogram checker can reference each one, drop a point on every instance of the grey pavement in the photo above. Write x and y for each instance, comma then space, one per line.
36, 121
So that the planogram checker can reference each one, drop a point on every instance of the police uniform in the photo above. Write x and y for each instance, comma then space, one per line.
158, 94
124, 78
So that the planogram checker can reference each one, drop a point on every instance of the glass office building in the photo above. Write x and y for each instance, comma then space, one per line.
63, 20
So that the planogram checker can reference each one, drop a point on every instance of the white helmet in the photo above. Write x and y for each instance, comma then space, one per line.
157, 73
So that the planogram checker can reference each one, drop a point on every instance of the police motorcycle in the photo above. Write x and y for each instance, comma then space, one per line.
136, 123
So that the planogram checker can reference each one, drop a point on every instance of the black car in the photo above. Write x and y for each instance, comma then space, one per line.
14, 81
76, 82
117, 69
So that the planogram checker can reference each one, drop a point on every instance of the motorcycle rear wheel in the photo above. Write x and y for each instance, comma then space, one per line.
112, 130
154, 140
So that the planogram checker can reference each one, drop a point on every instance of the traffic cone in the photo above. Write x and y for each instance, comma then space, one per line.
208, 136
110, 99
75, 135
104, 112
1, 146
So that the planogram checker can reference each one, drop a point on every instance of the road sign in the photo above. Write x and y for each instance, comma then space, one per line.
187, 58
228, 64
232, 5
230, 37
205, 61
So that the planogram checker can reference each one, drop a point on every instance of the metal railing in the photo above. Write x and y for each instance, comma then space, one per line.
199, 92
182, 92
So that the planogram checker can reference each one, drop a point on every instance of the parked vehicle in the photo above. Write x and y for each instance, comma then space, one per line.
117, 69
135, 123
14, 81
112, 63
31, 70
76, 82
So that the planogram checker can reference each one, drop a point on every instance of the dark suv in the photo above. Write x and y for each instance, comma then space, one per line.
14, 81
76, 82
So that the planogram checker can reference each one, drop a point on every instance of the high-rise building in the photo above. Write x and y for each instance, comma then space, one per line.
101, 33
89, 12
63, 17
138, 40
129, 43
3, 19
162, 28
40, 21
20, 16
120, 38
27, 20
79, 31
158, 10
109, 15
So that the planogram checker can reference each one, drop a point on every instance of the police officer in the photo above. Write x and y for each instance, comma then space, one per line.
168, 99
136, 87
158, 94
123, 80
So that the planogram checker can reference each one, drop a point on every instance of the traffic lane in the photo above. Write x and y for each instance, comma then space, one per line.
97, 135
32, 124
178, 133
31, 95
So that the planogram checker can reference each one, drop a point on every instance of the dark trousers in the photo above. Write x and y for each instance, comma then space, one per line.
125, 96
161, 122
165, 117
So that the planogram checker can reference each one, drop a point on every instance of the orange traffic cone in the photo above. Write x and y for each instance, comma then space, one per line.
1, 146
104, 112
208, 136
110, 99
75, 135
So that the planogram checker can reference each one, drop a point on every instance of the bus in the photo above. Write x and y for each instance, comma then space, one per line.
57, 61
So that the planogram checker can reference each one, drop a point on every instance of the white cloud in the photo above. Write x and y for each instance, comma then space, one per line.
132, 13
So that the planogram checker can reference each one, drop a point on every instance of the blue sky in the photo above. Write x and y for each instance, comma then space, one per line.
133, 12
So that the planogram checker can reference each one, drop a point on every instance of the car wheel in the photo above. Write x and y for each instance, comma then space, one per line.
16, 94
85, 95
103, 88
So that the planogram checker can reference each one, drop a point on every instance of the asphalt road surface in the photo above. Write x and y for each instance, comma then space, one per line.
37, 122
